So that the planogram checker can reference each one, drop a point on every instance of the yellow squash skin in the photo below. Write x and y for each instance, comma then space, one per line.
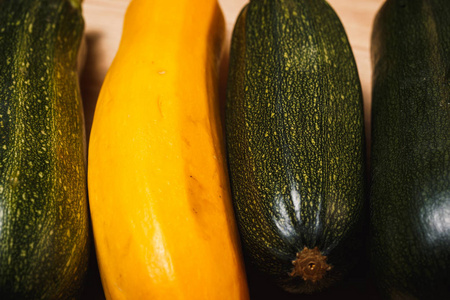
159, 194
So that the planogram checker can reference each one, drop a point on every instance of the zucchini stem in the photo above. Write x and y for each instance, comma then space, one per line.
310, 264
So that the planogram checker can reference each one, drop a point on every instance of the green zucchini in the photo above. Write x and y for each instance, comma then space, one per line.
43, 207
295, 142
410, 191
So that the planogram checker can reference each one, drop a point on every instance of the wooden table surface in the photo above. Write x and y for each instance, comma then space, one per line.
104, 20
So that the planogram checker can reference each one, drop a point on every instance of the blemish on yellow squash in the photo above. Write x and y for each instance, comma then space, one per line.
159, 195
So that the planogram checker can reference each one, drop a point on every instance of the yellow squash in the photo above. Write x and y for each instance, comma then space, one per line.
159, 195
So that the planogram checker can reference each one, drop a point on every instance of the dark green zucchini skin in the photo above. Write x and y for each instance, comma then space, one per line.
410, 190
43, 207
295, 139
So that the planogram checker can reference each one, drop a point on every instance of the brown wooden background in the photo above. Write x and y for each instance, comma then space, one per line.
104, 20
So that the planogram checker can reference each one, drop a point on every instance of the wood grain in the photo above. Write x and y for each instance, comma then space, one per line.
104, 20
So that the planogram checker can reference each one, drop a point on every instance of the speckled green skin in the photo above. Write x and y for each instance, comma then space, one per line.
410, 194
43, 209
295, 138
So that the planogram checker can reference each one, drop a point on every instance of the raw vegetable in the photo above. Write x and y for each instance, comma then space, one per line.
43, 207
295, 139
410, 193
159, 195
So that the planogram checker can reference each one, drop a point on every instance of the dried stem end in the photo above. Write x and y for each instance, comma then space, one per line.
310, 264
